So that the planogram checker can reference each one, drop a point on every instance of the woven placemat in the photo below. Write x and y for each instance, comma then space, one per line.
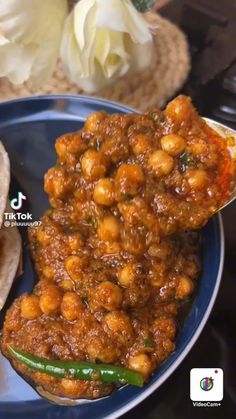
142, 90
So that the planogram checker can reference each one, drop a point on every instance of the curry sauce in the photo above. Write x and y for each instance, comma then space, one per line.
117, 253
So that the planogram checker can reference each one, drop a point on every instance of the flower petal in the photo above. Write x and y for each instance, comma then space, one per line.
16, 62
137, 27
110, 53
102, 40
35, 27
3, 40
69, 50
122, 16
87, 53
80, 12
25, 21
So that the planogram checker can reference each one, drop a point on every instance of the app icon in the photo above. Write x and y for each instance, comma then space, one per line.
206, 384
16, 203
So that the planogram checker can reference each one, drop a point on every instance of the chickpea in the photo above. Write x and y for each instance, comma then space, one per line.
173, 144
66, 284
30, 307
74, 265
67, 144
141, 363
157, 281
48, 272
128, 178
112, 247
103, 192
198, 148
71, 306
72, 387
109, 229
93, 165
130, 172
106, 295
120, 324
158, 273
197, 179
180, 109
185, 286
140, 144
50, 300
93, 120
127, 275
161, 163
44, 378
42, 236
57, 182
75, 241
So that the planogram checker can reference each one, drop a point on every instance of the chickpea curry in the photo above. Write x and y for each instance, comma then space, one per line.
117, 254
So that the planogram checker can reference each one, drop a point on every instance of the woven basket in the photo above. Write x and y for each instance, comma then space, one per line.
142, 90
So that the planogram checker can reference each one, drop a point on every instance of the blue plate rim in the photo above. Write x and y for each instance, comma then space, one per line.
184, 353
83, 98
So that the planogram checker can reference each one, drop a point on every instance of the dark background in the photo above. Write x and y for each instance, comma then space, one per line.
210, 26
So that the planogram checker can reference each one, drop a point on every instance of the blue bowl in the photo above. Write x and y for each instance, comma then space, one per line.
28, 129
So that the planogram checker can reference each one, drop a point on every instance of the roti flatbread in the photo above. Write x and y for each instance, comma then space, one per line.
10, 257
10, 239
4, 180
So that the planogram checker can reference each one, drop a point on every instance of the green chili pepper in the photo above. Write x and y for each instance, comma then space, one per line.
78, 370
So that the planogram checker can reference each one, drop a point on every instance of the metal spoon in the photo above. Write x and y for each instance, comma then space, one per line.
225, 132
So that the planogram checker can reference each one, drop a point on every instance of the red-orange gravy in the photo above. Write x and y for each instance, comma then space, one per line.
116, 255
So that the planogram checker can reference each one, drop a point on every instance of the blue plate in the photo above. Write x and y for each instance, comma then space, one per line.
28, 129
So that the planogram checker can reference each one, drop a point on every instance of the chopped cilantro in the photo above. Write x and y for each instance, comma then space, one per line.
162, 117
127, 195
90, 220
144, 129
148, 342
153, 115
157, 116
85, 299
186, 160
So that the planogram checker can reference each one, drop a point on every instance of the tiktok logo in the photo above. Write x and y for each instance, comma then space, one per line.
16, 203
17, 218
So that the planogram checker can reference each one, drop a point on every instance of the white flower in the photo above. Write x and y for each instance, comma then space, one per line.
30, 36
102, 40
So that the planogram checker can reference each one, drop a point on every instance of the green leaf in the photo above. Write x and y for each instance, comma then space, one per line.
143, 5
